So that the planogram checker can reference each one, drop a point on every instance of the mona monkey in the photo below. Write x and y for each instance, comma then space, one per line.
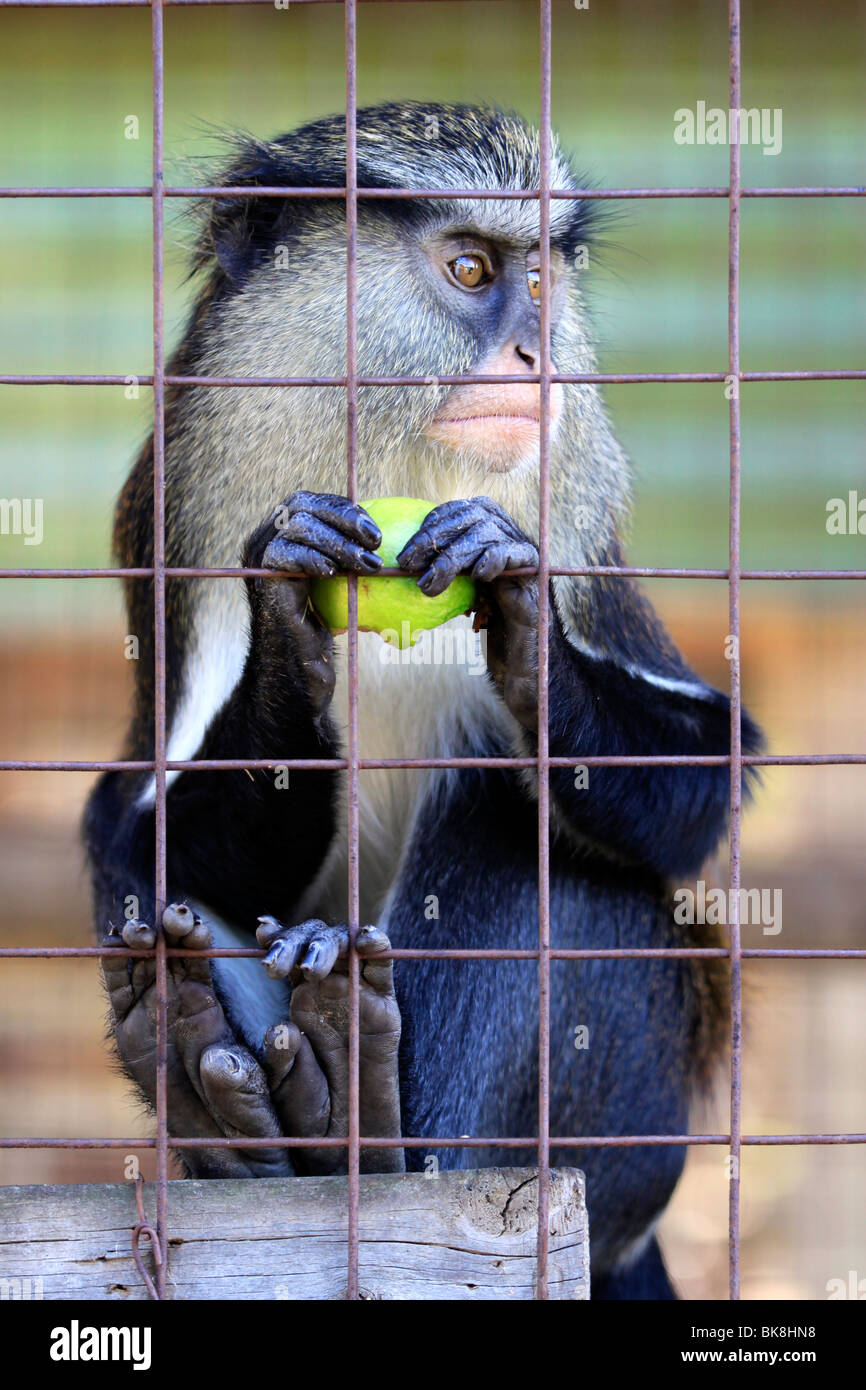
448, 859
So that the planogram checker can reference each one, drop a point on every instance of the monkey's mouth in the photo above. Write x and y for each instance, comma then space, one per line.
494, 421
502, 439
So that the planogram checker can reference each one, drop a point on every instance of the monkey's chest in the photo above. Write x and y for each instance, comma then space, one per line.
432, 700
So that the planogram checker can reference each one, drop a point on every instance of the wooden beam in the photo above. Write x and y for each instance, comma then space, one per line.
463, 1236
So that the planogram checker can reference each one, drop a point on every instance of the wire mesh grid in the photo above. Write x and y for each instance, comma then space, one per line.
353, 764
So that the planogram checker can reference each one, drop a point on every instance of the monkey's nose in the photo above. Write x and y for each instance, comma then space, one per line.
527, 355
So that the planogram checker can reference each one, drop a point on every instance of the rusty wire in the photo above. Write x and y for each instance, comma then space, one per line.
353, 1148
353, 764
144, 1229
736, 778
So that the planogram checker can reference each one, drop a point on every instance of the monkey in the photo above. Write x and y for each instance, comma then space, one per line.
448, 857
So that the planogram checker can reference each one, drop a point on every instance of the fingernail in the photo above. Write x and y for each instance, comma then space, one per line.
311, 959
370, 562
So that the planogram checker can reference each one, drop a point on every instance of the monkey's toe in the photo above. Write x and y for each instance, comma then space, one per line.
299, 1092
236, 1089
138, 936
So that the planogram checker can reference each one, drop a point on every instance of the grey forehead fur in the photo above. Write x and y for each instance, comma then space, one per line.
419, 145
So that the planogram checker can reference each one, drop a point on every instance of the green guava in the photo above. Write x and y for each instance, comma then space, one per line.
395, 608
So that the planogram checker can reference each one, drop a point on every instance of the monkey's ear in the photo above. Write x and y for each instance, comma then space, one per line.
238, 232
241, 231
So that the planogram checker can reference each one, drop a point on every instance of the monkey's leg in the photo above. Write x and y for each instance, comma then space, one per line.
310, 1072
216, 1088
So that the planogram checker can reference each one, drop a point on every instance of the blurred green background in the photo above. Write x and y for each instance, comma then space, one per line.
76, 274
75, 295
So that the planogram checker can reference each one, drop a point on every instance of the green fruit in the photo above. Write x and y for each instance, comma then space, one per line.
395, 608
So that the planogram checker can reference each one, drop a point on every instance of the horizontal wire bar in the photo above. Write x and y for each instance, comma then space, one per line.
590, 571
146, 4
485, 953
463, 1141
467, 378
437, 194
390, 764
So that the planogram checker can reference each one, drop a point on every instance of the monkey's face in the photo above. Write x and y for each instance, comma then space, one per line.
491, 288
436, 298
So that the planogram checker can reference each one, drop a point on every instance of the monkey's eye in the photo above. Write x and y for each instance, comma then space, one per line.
469, 271
533, 280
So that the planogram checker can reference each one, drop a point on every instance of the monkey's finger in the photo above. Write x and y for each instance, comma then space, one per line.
268, 930
446, 524
481, 551
441, 573
307, 530
281, 554
338, 512
504, 555
322, 951
442, 526
459, 557
287, 947
378, 974
475, 536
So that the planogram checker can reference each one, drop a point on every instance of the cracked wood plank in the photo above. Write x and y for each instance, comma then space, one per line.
460, 1235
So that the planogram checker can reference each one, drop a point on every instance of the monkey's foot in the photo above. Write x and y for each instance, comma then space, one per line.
215, 1087
308, 1058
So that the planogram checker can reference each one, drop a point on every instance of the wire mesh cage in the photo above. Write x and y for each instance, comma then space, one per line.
353, 764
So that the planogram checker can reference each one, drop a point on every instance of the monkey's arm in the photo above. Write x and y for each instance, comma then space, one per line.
669, 818
637, 698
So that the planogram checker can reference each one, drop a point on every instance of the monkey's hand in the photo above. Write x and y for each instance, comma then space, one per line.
477, 537
307, 1059
317, 535
216, 1088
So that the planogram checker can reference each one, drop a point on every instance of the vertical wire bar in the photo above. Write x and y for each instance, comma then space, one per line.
541, 1290
734, 620
157, 38
352, 773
